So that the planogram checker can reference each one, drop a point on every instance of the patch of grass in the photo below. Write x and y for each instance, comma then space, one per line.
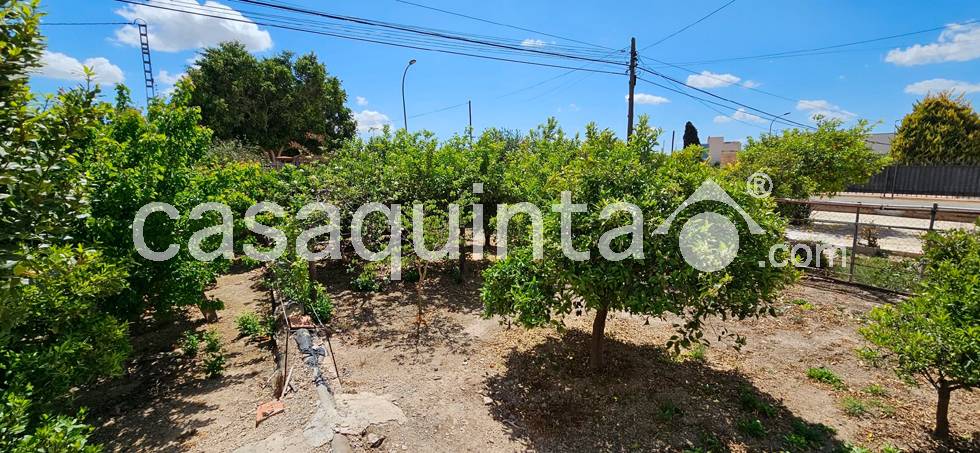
668, 411
889, 448
854, 407
696, 353
249, 325
875, 390
880, 272
752, 403
826, 376
190, 343
803, 304
752, 427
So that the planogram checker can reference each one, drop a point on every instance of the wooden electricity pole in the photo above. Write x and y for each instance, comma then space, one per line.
629, 127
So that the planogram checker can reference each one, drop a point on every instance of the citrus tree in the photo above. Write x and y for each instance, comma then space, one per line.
942, 129
602, 172
935, 334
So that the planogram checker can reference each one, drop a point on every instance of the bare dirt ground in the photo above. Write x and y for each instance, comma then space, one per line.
469, 384
165, 403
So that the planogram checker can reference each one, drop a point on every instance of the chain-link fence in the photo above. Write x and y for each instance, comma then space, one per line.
874, 245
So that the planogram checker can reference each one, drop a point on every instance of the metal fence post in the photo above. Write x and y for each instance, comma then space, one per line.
932, 216
854, 243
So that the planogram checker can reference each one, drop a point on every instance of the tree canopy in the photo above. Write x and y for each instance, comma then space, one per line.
602, 170
942, 129
691, 135
278, 103
936, 333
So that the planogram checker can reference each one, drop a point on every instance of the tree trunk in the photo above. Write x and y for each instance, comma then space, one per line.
942, 410
598, 331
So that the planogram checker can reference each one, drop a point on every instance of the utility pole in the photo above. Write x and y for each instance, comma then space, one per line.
672, 133
469, 105
629, 127
151, 91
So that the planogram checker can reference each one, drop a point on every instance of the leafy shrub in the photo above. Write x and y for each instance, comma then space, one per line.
190, 343
366, 282
249, 325
826, 376
212, 342
868, 355
214, 364
752, 427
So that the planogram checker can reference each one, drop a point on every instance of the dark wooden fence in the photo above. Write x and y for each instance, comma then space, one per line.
948, 180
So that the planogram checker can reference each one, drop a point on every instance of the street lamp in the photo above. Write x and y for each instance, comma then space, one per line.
405, 110
774, 121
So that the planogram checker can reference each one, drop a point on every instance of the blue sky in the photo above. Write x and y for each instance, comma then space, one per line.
878, 81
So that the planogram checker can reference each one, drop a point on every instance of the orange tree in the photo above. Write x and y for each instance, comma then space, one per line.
600, 171
936, 333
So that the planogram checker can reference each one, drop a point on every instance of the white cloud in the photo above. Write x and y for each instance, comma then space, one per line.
647, 99
708, 79
533, 43
166, 78
740, 115
361, 100
937, 85
369, 121
956, 43
168, 81
820, 107
751, 84
56, 65
173, 31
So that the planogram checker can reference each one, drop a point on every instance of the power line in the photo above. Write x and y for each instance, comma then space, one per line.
84, 23
345, 28
789, 53
501, 24
741, 84
362, 39
689, 25
778, 118
410, 29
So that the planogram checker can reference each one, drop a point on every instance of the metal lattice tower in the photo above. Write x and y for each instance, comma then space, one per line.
151, 91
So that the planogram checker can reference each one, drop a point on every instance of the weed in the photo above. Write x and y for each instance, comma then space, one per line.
212, 342
803, 304
854, 407
696, 353
875, 390
365, 282
806, 436
889, 448
249, 325
751, 403
322, 308
214, 364
752, 428
668, 411
190, 343
826, 376
851, 448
